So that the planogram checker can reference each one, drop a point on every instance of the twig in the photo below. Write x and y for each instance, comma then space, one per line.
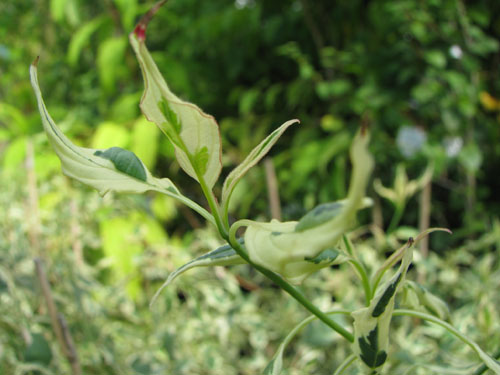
189, 216
34, 222
423, 224
272, 189
70, 345
58, 323
312, 25
377, 218
424, 216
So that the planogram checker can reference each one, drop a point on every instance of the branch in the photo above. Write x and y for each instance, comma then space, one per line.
58, 322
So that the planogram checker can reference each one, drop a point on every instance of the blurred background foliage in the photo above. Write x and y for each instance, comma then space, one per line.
422, 75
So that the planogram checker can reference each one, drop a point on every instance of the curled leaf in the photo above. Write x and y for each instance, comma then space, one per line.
287, 247
114, 169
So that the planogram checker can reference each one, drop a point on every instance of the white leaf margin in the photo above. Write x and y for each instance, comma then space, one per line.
222, 256
253, 158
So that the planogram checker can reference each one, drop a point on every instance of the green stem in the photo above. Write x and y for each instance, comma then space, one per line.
299, 327
294, 292
345, 364
488, 361
225, 215
193, 205
483, 367
214, 207
396, 218
361, 270
209, 194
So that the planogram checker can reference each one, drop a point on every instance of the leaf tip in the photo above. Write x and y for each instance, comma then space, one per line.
140, 29
35, 62
140, 32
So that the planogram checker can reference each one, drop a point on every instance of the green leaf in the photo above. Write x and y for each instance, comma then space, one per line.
120, 247
253, 158
57, 9
14, 119
125, 161
436, 58
38, 351
222, 256
110, 134
109, 59
471, 157
14, 154
145, 142
81, 38
194, 134
128, 12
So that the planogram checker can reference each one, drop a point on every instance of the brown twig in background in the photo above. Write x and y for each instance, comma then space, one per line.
246, 284
70, 345
312, 26
189, 216
272, 189
33, 221
423, 224
377, 218
58, 322
425, 216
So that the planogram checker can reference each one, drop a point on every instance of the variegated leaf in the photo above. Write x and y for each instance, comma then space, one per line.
194, 134
371, 324
253, 158
114, 169
419, 298
222, 256
323, 213
488, 361
280, 247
